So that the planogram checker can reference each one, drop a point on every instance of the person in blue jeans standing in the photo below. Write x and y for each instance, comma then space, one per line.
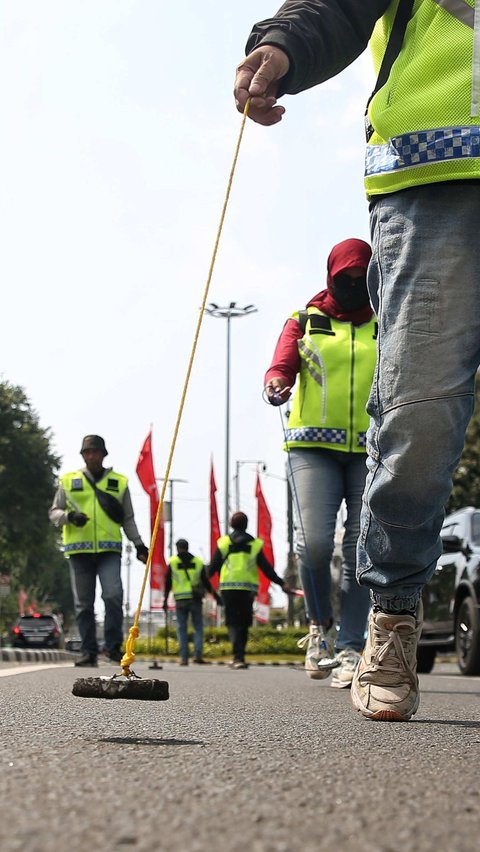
422, 173
187, 578
330, 346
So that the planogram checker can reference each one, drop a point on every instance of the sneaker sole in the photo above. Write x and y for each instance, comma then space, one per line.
341, 684
318, 675
385, 715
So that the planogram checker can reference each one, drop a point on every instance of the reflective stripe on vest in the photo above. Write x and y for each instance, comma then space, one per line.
100, 533
239, 571
337, 362
181, 583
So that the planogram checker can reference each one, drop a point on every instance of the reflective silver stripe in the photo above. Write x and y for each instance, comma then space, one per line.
459, 9
314, 356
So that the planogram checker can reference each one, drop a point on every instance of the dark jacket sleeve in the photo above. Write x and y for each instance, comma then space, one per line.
268, 569
205, 581
215, 563
168, 582
320, 37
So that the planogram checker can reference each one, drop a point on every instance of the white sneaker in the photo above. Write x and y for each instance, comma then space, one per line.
385, 684
348, 660
320, 653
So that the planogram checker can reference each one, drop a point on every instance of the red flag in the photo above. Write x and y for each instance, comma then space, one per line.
214, 522
158, 566
264, 530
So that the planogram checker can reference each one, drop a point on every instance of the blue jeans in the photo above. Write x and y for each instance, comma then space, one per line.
424, 280
319, 481
183, 609
84, 569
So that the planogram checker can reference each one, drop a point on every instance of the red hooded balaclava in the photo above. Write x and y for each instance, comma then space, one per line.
344, 256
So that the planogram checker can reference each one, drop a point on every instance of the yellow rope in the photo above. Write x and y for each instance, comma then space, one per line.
129, 655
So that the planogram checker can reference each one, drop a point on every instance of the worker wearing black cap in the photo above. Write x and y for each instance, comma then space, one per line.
92, 505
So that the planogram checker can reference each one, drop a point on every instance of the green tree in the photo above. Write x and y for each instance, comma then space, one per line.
466, 479
29, 552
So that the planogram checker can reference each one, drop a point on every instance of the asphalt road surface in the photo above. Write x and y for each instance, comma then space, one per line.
263, 760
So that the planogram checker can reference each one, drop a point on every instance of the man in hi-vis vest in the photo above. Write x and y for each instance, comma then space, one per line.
422, 172
187, 578
92, 505
238, 557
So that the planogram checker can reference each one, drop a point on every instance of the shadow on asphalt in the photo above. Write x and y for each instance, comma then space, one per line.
150, 741
454, 723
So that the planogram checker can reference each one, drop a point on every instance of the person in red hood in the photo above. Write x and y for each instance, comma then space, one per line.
330, 346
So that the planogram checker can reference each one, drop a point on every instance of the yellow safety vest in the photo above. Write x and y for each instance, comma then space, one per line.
336, 372
182, 585
239, 570
100, 533
426, 116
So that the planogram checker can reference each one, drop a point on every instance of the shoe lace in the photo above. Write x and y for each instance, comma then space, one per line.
314, 634
392, 650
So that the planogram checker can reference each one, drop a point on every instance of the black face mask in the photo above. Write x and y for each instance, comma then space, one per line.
350, 293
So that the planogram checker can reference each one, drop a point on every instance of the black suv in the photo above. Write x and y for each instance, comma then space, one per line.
37, 631
451, 600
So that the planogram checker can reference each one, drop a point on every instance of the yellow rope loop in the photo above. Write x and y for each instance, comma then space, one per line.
129, 655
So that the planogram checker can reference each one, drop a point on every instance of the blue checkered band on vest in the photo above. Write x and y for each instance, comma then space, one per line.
78, 545
318, 435
423, 148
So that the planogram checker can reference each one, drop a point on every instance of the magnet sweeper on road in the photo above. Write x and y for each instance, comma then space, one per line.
127, 684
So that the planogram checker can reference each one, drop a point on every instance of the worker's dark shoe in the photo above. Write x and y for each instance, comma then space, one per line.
239, 664
201, 662
87, 660
183, 662
115, 655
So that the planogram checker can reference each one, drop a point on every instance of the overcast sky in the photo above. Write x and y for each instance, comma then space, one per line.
118, 134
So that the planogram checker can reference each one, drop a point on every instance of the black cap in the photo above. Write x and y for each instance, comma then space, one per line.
93, 442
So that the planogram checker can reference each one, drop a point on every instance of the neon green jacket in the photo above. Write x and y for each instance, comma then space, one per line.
182, 585
426, 116
239, 570
337, 365
100, 533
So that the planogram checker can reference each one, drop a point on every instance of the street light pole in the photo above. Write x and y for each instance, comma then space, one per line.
228, 312
238, 463
170, 520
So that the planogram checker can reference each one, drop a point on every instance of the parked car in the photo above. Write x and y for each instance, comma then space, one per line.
37, 631
451, 600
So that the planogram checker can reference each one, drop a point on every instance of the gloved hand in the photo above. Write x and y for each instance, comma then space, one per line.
142, 553
78, 519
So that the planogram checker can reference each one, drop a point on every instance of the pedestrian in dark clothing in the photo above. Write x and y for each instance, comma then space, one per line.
237, 558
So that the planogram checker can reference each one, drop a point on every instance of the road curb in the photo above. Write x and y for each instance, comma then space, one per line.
27, 655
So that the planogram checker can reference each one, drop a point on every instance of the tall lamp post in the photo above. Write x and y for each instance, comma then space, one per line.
228, 312
238, 464
168, 515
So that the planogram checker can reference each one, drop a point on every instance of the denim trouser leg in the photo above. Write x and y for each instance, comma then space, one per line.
109, 573
319, 481
83, 580
182, 629
197, 621
425, 283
